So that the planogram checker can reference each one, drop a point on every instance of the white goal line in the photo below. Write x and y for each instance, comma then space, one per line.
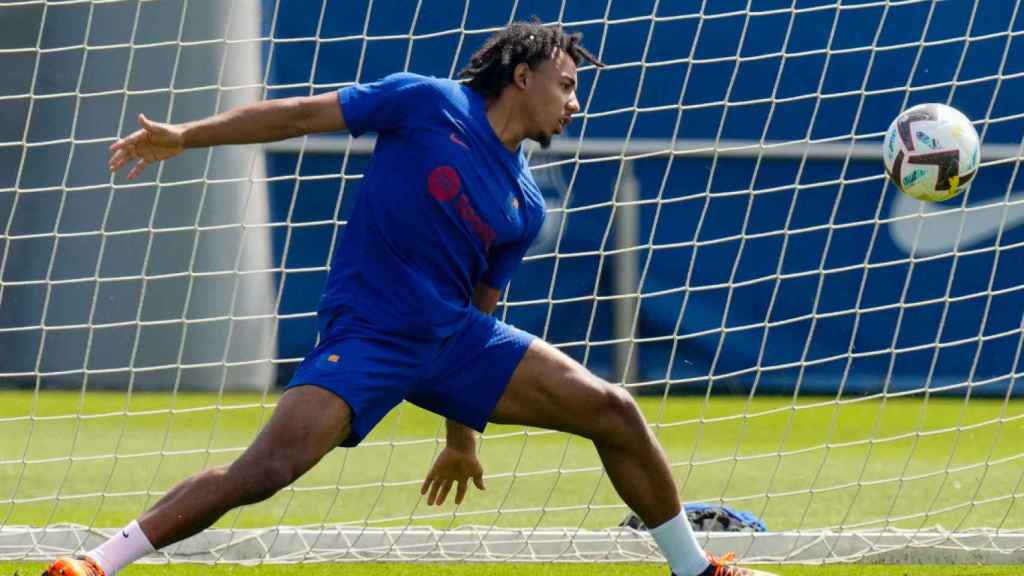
333, 543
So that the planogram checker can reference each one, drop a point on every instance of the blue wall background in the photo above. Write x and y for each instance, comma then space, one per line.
830, 241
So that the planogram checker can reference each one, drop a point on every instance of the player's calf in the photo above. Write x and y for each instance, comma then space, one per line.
253, 482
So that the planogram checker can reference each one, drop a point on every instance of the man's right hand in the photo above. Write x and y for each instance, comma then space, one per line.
154, 142
453, 466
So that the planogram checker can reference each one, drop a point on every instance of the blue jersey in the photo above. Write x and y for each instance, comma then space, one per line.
444, 205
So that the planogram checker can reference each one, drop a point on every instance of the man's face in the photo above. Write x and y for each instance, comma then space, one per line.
551, 98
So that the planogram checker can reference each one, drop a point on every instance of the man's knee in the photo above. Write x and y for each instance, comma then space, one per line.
624, 410
611, 413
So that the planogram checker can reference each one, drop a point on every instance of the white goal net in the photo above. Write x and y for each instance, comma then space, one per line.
809, 345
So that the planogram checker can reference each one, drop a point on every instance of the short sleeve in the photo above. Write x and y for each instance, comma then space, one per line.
382, 105
504, 262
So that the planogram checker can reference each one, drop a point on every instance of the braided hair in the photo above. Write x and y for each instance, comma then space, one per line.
492, 68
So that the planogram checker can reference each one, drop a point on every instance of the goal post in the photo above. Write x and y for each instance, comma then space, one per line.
807, 343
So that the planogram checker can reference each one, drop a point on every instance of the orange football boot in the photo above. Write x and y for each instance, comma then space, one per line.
725, 566
74, 566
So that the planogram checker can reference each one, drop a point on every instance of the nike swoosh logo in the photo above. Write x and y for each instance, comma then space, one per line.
981, 221
458, 141
123, 533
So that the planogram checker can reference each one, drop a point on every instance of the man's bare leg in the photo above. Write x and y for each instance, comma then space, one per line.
307, 423
550, 390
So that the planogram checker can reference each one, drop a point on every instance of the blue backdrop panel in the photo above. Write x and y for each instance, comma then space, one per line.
806, 281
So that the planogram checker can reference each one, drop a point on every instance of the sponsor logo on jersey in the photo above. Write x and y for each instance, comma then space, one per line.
444, 185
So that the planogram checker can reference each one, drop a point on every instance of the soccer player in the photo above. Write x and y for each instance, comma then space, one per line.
444, 215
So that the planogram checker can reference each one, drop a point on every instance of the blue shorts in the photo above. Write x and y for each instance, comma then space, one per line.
460, 377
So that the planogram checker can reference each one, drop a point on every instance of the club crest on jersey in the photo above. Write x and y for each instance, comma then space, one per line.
512, 208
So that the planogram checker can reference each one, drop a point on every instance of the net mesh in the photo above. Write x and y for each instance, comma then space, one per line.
806, 343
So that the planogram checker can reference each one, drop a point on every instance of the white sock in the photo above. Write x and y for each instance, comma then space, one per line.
123, 548
679, 546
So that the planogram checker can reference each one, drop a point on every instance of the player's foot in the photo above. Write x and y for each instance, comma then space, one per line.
76, 566
724, 567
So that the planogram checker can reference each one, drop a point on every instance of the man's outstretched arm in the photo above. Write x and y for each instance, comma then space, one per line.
458, 463
460, 436
265, 121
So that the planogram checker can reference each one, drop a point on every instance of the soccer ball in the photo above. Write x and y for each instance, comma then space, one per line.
931, 152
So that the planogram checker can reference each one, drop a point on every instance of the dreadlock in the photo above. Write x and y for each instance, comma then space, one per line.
493, 66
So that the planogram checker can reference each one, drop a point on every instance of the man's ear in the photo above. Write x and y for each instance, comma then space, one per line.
521, 75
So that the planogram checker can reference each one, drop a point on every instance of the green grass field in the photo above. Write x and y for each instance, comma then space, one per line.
534, 478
